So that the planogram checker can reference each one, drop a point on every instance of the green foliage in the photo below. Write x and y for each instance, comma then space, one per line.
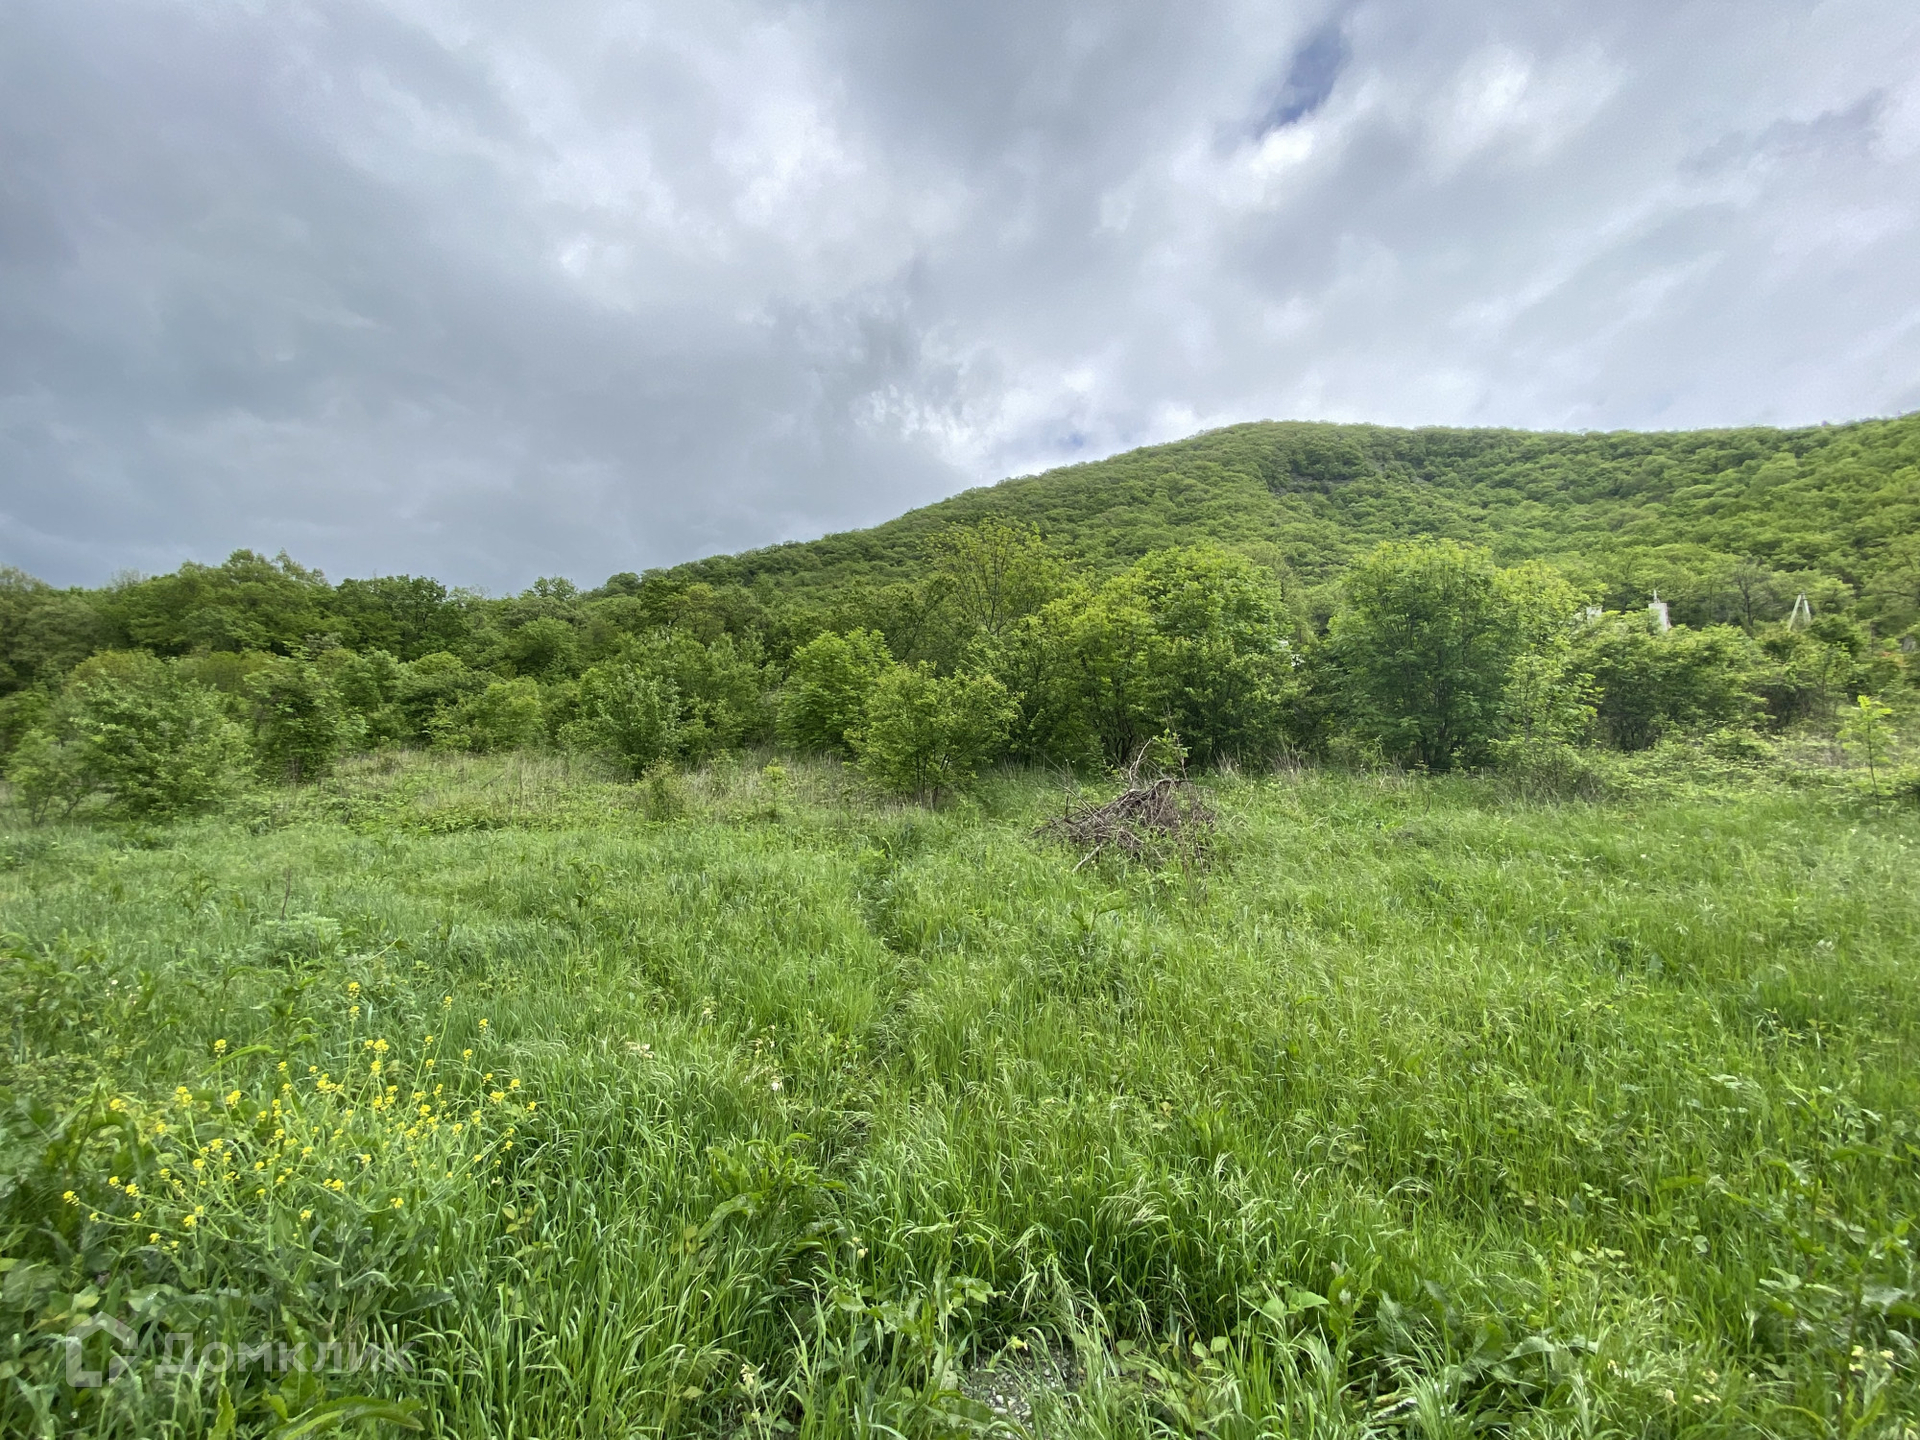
424, 689
1189, 639
1867, 731
368, 684
1430, 645
298, 724
720, 690
825, 695
992, 574
507, 715
1695, 514
44, 632
1233, 588
129, 729
1217, 659
928, 735
628, 713
407, 616
19, 713
1426, 1112
248, 602
1649, 683
545, 647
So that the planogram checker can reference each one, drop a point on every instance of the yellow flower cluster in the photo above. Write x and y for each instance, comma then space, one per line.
384, 1138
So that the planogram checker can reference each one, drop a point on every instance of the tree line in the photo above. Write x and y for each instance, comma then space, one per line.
161, 695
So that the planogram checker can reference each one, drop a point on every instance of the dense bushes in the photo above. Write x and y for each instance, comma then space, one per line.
626, 713
297, 721
130, 730
1426, 653
1650, 682
1429, 647
825, 696
927, 735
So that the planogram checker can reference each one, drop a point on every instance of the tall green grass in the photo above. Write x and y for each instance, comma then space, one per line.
1422, 1110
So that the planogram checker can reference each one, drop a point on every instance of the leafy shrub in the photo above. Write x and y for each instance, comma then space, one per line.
1190, 639
545, 646
722, 688
1429, 643
827, 686
1904, 784
129, 729
1543, 768
627, 714
19, 713
1866, 731
663, 795
1649, 682
298, 726
431, 684
926, 735
368, 684
505, 716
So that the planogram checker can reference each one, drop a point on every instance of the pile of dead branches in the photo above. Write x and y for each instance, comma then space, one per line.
1159, 817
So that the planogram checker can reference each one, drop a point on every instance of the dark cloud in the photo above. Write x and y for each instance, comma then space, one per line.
1311, 75
489, 290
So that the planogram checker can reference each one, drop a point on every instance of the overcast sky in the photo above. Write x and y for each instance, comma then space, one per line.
491, 290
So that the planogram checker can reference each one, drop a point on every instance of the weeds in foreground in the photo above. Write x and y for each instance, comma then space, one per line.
1438, 1113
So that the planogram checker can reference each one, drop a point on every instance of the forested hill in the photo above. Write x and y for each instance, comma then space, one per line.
1636, 509
1729, 526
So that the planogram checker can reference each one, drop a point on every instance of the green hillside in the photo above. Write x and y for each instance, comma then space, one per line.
1014, 971
1643, 510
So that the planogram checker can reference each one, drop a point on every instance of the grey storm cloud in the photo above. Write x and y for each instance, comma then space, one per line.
489, 290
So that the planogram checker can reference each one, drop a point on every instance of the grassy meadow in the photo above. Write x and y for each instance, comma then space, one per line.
742, 1103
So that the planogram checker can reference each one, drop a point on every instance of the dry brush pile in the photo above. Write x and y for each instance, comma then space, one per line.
1159, 817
